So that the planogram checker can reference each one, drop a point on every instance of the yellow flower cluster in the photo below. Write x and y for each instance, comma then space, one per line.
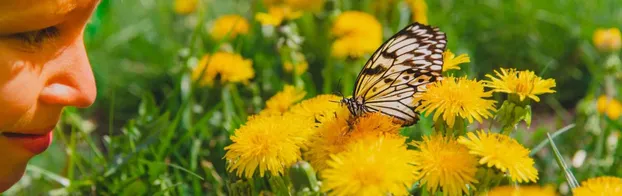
367, 154
336, 133
358, 33
450, 165
363, 155
607, 40
273, 142
229, 26
609, 106
229, 67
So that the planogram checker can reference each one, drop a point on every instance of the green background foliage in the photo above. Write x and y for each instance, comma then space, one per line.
152, 131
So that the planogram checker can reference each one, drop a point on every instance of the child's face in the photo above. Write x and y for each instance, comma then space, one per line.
43, 68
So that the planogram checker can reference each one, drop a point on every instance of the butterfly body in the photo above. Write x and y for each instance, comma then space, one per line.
356, 105
398, 72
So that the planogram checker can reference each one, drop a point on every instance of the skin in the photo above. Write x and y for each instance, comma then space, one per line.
38, 78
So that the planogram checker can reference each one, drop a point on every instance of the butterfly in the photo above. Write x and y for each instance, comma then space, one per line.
399, 71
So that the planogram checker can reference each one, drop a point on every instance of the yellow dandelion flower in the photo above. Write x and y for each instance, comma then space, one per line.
374, 125
605, 185
358, 33
456, 97
316, 111
450, 61
607, 40
419, 9
522, 83
280, 103
228, 66
373, 166
267, 144
185, 6
444, 163
229, 26
335, 134
276, 15
502, 152
330, 138
522, 190
317, 108
609, 106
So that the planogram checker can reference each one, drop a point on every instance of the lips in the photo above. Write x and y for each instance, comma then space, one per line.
35, 143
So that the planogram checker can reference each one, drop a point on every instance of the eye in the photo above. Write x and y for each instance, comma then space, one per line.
37, 37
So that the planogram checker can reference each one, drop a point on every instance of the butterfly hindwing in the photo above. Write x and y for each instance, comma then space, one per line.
400, 69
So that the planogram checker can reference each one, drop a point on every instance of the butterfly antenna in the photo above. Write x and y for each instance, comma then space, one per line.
338, 92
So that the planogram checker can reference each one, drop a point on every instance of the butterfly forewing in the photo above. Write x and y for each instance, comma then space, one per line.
400, 69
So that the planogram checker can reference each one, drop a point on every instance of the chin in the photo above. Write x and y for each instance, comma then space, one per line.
12, 166
7, 181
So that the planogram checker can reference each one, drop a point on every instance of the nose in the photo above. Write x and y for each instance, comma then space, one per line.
71, 81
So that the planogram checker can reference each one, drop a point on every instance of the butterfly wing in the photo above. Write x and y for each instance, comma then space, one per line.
400, 69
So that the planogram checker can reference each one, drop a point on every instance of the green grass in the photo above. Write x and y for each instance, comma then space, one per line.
152, 131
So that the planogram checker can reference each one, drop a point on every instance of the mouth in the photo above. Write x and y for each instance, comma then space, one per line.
34, 143
21, 135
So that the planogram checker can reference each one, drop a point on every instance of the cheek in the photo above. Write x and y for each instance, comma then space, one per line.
19, 90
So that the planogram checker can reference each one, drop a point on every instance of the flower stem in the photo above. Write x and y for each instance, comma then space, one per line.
229, 108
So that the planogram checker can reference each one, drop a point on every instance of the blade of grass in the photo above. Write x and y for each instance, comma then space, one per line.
111, 117
176, 167
546, 141
194, 158
71, 149
204, 120
48, 174
120, 159
572, 181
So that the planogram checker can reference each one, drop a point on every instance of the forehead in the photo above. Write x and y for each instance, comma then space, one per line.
28, 15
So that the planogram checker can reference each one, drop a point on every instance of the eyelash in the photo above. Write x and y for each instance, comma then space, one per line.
37, 37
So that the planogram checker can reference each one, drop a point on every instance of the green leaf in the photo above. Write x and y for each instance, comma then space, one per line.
572, 181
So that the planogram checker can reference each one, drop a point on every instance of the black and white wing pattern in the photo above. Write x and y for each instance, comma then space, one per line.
399, 70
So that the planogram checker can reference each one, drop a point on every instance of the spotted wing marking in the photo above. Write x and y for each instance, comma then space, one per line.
400, 69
